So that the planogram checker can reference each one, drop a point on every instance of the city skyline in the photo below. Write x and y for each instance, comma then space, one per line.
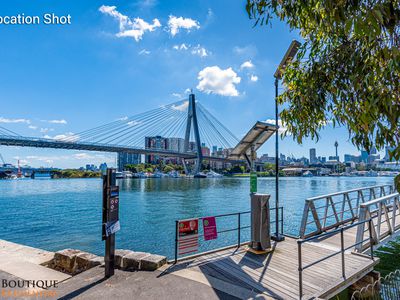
104, 74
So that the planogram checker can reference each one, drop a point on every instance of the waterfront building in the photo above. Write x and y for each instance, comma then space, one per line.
214, 150
91, 167
387, 155
205, 151
124, 159
313, 155
155, 142
323, 159
332, 158
103, 167
352, 158
266, 159
176, 144
364, 156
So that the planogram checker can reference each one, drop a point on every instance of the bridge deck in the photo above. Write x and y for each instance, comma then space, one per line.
274, 275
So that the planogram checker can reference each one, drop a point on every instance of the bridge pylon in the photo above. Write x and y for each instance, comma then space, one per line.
192, 119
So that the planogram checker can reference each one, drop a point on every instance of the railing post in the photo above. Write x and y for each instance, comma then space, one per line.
371, 244
342, 251
176, 240
300, 270
282, 220
239, 229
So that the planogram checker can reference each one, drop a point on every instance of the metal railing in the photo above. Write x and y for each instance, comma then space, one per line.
239, 229
385, 288
335, 209
342, 250
383, 210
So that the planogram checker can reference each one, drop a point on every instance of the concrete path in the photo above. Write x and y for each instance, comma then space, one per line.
26, 262
135, 285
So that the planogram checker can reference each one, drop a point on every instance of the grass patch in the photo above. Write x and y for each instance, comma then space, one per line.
389, 255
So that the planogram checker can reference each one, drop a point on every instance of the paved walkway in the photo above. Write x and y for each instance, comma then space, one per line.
135, 285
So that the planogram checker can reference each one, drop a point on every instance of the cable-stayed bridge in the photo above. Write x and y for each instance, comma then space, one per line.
184, 129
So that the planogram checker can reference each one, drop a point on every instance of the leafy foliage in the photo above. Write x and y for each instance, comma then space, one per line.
347, 70
397, 183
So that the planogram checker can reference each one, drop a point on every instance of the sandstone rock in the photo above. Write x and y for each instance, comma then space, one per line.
132, 261
119, 254
152, 262
65, 260
85, 261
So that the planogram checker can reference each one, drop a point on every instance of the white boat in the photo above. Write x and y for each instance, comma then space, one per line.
307, 174
127, 174
213, 174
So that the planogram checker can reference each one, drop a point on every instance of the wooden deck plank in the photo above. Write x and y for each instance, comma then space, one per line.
276, 274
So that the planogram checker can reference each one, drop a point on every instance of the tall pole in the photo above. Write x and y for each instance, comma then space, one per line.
277, 236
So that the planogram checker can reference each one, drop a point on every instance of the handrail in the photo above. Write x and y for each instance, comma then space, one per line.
377, 200
342, 250
337, 208
386, 208
347, 191
239, 227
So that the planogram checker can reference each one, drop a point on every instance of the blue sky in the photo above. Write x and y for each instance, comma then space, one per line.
121, 58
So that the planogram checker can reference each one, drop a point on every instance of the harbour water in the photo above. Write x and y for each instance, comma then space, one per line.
66, 213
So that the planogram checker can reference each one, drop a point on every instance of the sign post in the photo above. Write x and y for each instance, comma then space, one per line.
110, 219
188, 236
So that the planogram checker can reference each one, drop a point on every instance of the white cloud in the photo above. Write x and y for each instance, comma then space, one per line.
254, 78
32, 127
246, 65
200, 51
282, 128
122, 118
214, 80
177, 95
195, 50
6, 120
181, 107
182, 46
83, 156
46, 130
175, 23
62, 121
144, 52
129, 28
69, 136
188, 91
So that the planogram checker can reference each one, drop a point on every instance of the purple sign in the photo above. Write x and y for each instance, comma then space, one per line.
209, 228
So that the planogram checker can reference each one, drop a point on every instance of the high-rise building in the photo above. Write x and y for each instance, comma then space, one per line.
214, 150
176, 144
103, 167
352, 158
364, 156
158, 143
313, 156
125, 158
387, 155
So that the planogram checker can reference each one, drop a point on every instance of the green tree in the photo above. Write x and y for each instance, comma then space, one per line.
347, 70
397, 183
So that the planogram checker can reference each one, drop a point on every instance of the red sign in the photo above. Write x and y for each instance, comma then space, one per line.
188, 236
210, 228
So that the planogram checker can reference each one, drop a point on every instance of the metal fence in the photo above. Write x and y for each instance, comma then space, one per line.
326, 212
386, 288
239, 221
342, 250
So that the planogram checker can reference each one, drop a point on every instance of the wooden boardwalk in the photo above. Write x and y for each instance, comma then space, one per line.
275, 275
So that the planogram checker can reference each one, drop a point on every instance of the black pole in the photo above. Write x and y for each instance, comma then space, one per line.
108, 180
277, 237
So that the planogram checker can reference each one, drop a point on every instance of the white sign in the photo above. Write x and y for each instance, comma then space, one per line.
112, 228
